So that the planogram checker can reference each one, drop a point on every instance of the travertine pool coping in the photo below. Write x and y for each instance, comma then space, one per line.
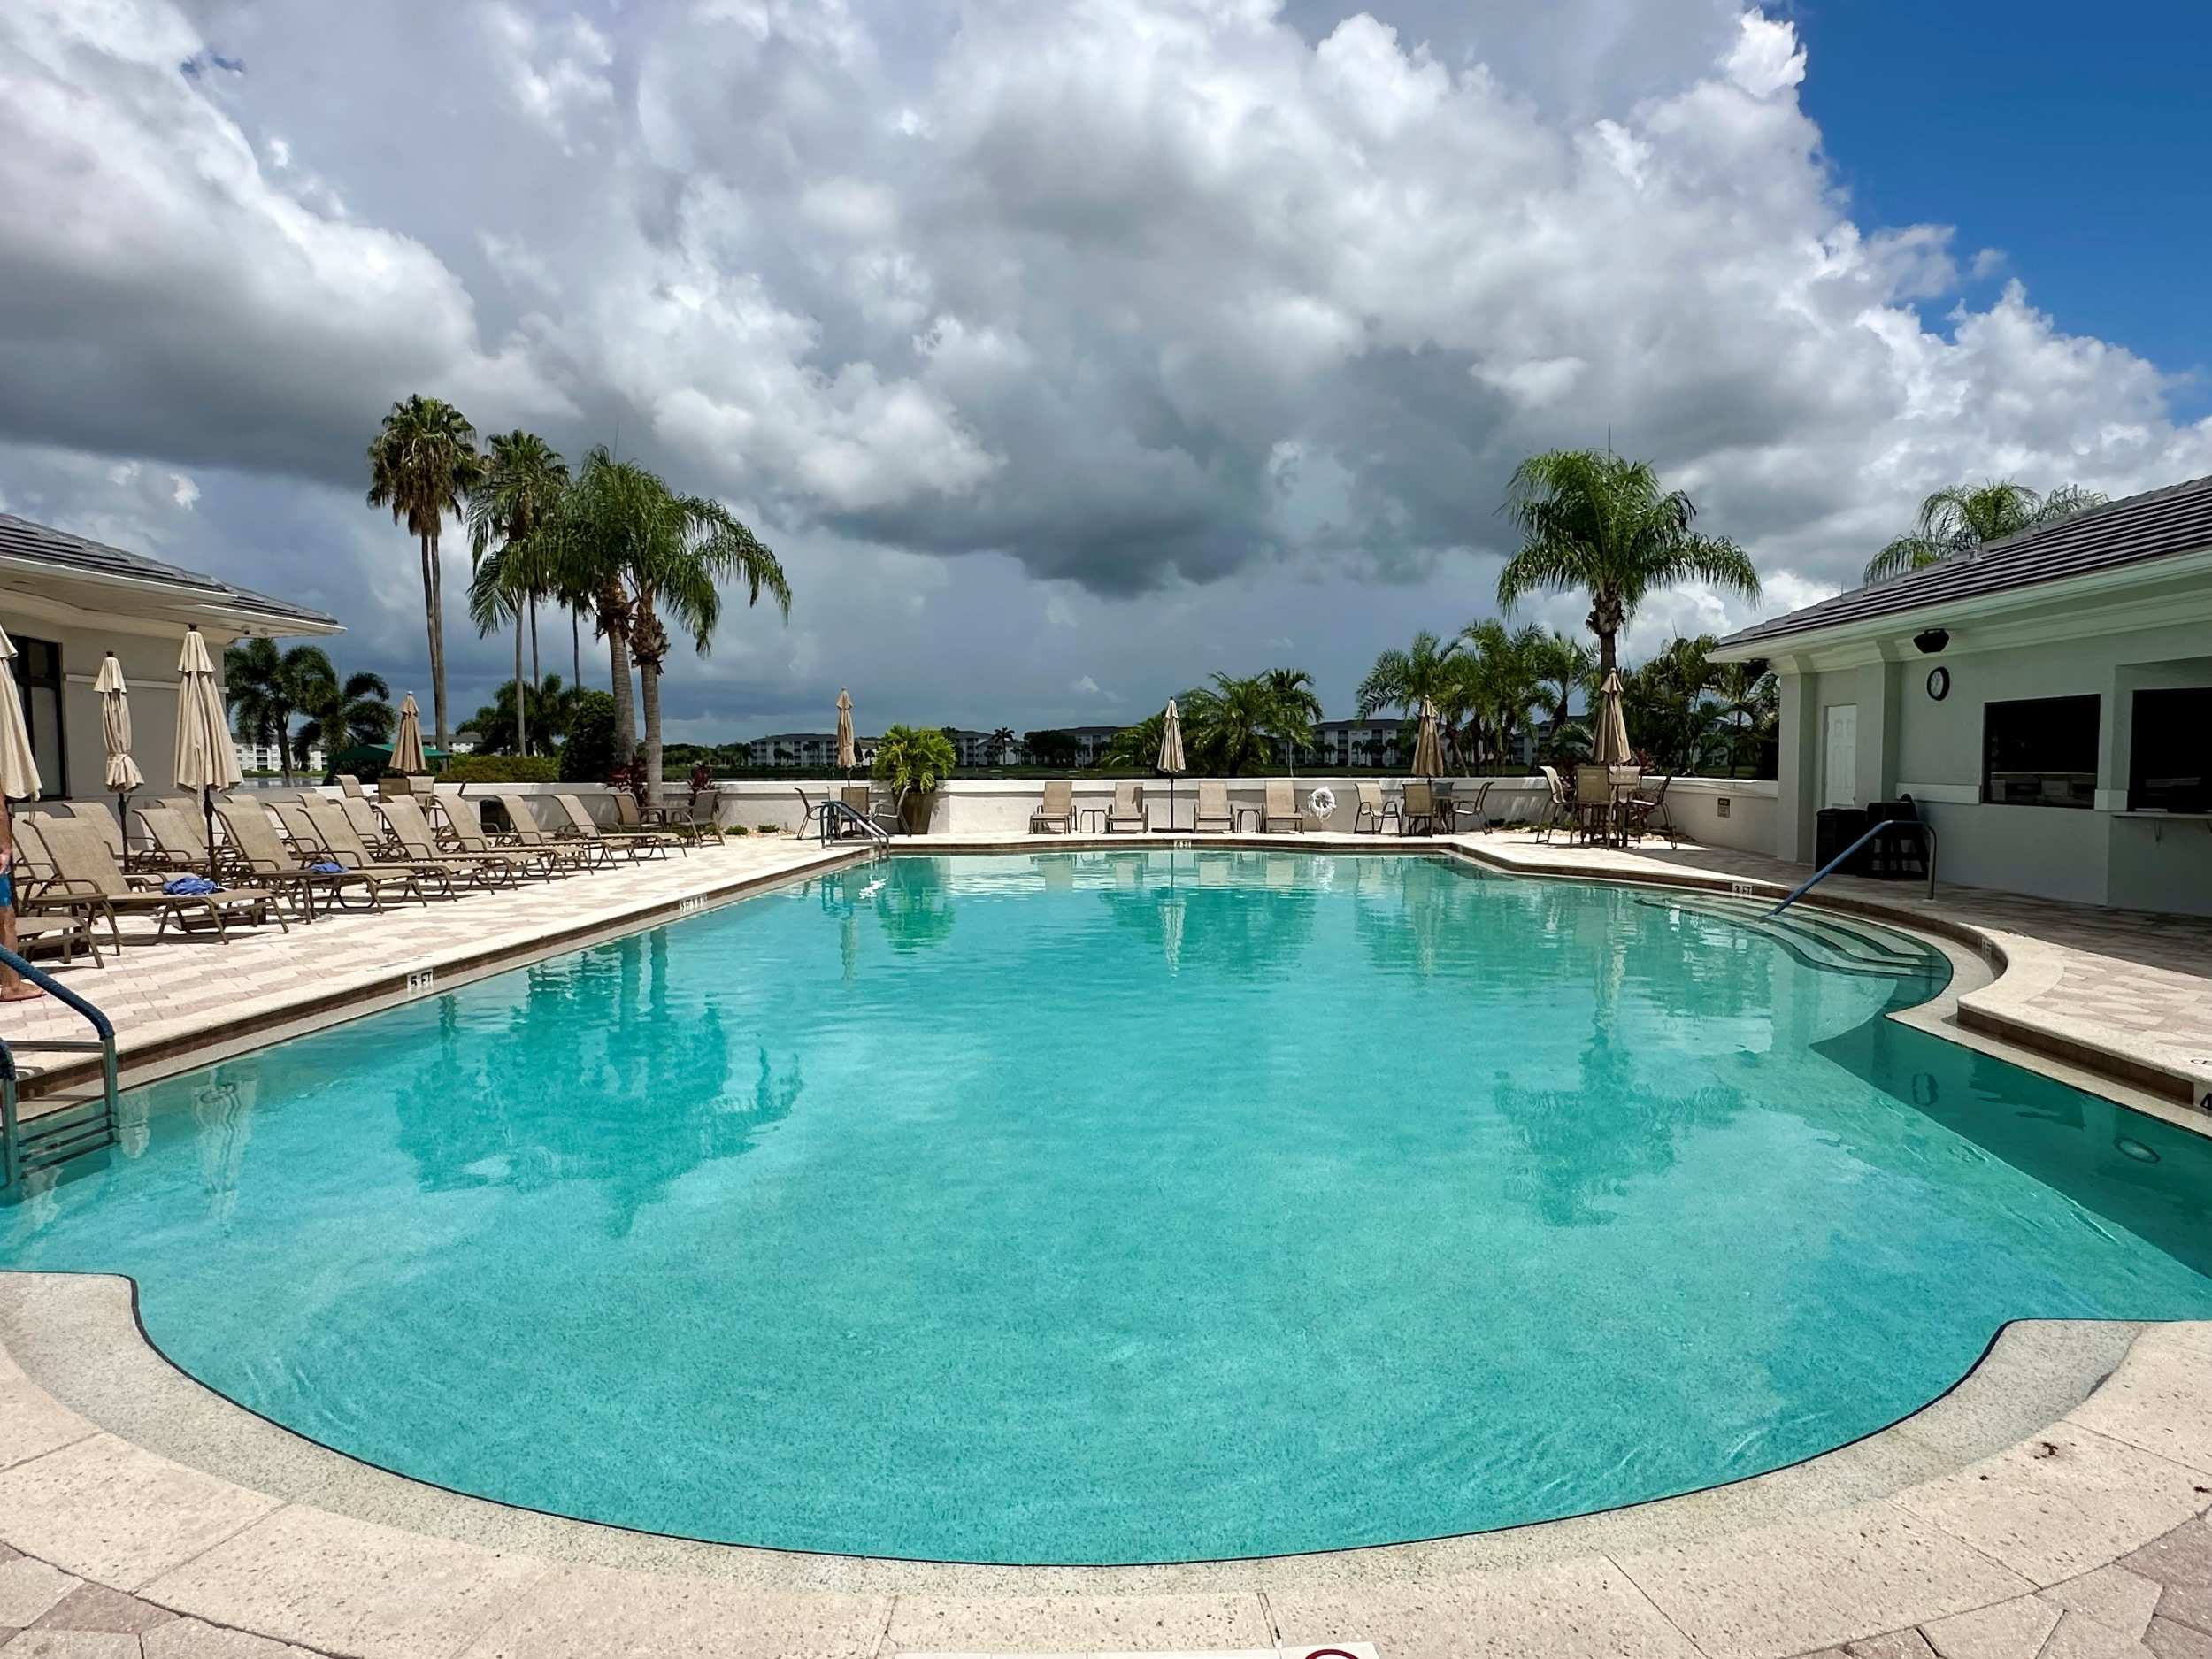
2071, 1445
1975, 1521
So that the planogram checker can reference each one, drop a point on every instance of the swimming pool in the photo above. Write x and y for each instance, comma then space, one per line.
1131, 1207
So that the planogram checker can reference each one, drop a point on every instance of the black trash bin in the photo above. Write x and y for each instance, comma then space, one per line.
1835, 828
1899, 855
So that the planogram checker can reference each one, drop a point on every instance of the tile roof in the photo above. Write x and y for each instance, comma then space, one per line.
21, 539
2154, 525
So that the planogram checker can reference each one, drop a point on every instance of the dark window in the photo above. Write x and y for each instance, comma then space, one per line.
2170, 754
38, 678
2041, 751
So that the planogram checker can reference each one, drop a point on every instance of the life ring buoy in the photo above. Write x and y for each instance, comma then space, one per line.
1321, 802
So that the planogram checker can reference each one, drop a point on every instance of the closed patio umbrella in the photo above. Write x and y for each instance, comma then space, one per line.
1428, 747
122, 774
847, 755
205, 760
407, 756
1609, 744
1171, 760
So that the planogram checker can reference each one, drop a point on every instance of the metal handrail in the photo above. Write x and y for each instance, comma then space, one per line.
1829, 869
832, 810
103, 1044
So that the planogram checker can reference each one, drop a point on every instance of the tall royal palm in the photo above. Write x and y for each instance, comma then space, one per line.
1964, 517
641, 550
1600, 522
522, 483
267, 689
423, 464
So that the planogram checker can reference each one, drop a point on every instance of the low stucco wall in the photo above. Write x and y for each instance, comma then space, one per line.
980, 806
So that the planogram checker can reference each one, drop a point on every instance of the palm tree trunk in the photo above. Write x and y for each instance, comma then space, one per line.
522, 714
434, 597
649, 680
624, 714
537, 673
576, 644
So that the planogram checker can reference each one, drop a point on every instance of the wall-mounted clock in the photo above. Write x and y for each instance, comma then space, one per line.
1939, 683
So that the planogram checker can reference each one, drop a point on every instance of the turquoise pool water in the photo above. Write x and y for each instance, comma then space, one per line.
1114, 1209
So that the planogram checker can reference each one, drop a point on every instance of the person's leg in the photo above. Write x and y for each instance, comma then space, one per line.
13, 986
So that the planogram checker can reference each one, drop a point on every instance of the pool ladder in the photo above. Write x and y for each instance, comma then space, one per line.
85, 1123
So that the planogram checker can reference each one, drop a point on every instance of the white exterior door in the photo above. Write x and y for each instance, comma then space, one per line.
1840, 757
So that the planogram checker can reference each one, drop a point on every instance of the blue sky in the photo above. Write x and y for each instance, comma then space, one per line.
2074, 138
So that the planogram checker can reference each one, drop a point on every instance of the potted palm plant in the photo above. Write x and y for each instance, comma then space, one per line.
911, 761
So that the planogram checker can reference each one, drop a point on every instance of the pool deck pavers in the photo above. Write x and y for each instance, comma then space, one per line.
2083, 1538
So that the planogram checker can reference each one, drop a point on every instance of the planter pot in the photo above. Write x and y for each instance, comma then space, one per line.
914, 811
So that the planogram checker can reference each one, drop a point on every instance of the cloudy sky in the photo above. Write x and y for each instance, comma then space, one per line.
1065, 350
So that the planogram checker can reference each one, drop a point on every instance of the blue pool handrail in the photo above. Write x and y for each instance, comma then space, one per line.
1828, 869
68, 1130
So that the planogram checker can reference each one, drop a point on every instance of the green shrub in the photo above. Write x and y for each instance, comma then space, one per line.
737, 829
766, 829
588, 753
501, 769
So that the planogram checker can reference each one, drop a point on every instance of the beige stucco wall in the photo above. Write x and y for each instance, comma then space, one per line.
1909, 742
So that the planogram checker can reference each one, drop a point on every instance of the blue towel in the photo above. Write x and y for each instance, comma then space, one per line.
189, 886
327, 868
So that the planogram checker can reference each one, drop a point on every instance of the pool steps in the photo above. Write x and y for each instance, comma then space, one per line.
1817, 941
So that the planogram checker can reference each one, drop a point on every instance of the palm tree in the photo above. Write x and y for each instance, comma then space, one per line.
1750, 697
521, 484
1964, 517
1563, 662
1401, 678
349, 715
1298, 709
1003, 743
1601, 523
1136, 747
1498, 681
265, 689
423, 464
621, 534
1233, 724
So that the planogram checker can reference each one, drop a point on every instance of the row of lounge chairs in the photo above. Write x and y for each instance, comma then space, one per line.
1420, 808
277, 859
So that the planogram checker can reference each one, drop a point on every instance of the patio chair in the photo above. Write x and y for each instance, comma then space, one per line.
268, 862
318, 830
465, 831
1469, 803
1374, 809
1127, 811
699, 816
1648, 814
1281, 808
84, 869
1557, 811
1214, 816
1592, 802
523, 831
1419, 807
1056, 813
577, 823
417, 844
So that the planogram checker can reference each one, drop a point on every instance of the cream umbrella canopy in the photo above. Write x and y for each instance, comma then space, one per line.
407, 756
847, 755
1428, 749
1170, 762
122, 774
205, 760
1609, 743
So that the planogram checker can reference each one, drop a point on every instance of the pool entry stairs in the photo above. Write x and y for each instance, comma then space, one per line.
79, 1123
1817, 941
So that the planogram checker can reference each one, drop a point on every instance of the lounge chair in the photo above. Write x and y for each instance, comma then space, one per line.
1214, 816
180, 843
349, 785
361, 813
417, 843
1418, 806
85, 870
1127, 811
1281, 808
1056, 813
630, 821
322, 834
523, 831
464, 832
1374, 809
581, 826
269, 862
102, 818
45, 914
